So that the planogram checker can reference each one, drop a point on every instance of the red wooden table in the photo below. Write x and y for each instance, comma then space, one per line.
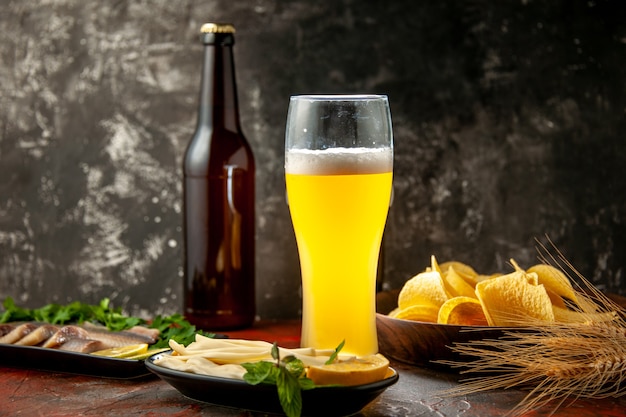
26, 392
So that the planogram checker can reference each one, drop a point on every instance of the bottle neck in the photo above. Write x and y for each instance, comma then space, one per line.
218, 90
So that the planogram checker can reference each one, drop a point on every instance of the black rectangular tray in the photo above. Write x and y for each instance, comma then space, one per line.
54, 360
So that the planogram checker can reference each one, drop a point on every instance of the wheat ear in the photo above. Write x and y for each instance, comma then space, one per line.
556, 362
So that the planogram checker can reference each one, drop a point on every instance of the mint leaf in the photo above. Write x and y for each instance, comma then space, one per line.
294, 366
259, 372
306, 383
288, 376
289, 393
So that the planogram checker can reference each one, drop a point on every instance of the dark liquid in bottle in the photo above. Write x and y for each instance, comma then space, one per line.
219, 291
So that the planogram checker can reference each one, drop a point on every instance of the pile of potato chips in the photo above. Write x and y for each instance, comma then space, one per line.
454, 293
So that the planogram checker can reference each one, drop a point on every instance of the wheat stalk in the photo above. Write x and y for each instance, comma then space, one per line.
556, 362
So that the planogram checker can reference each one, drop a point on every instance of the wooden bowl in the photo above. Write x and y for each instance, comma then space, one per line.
420, 343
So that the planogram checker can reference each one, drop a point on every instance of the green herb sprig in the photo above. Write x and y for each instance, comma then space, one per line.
288, 374
333, 356
174, 327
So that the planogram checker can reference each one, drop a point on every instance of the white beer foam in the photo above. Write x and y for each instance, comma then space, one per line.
339, 161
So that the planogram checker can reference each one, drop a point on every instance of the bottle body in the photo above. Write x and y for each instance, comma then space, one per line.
218, 200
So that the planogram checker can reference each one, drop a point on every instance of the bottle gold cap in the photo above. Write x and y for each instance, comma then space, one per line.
217, 28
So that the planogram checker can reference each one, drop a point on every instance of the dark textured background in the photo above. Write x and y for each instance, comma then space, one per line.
509, 122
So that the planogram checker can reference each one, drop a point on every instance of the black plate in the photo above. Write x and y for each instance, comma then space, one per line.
323, 401
54, 360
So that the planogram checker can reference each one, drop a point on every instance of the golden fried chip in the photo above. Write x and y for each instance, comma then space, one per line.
457, 286
483, 277
425, 288
465, 271
464, 311
564, 315
434, 266
427, 313
532, 278
511, 300
554, 280
556, 300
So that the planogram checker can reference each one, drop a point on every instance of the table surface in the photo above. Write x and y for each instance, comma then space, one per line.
26, 392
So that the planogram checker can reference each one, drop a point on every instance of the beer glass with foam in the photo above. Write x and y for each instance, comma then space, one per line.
338, 170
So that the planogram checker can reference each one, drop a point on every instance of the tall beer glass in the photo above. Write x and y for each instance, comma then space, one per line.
338, 169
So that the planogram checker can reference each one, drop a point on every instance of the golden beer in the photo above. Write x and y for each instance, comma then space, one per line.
339, 199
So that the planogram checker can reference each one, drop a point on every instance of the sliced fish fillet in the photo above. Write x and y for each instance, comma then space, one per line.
6, 328
37, 336
82, 345
18, 333
64, 334
146, 331
118, 339
74, 338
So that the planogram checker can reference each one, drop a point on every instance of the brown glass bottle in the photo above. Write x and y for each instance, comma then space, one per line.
218, 192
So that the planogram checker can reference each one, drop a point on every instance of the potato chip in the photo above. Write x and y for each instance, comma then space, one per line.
587, 305
483, 277
466, 311
511, 298
457, 286
564, 315
427, 313
465, 271
425, 288
555, 299
554, 280
532, 278
463, 296
434, 266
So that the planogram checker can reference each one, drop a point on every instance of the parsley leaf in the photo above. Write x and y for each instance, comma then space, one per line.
176, 328
171, 327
